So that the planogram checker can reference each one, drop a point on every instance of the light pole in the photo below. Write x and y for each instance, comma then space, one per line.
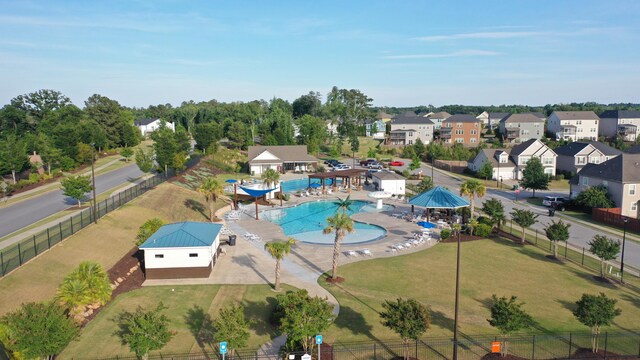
93, 180
624, 239
455, 319
498, 175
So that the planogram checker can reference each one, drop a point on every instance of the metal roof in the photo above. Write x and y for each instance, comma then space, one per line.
439, 198
183, 234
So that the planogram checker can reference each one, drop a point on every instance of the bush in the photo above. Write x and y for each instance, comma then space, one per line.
321, 169
484, 220
482, 230
34, 178
286, 197
406, 173
67, 163
445, 234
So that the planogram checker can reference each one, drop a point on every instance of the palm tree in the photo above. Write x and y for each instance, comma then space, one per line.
211, 189
473, 223
72, 294
97, 281
87, 285
524, 218
270, 177
278, 249
341, 224
344, 204
472, 188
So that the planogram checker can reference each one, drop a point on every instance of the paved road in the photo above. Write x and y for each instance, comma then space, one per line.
580, 234
27, 212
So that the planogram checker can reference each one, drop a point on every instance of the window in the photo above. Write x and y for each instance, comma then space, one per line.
593, 129
159, 256
581, 160
585, 181
524, 132
474, 132
595, 159
547, 161
523, 160
193, 254
473, 140
579, 122
632, 189
460, 140
634, 206
459, 124
548, 171
459, 132
410, 142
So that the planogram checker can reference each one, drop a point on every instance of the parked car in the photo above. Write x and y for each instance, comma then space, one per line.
341, 167
375, 165
396, 163
556, 202
331, 162
367, 162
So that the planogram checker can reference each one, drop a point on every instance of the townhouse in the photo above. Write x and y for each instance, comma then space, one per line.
461, 129
573, 125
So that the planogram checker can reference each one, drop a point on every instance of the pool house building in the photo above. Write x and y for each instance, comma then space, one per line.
280, 158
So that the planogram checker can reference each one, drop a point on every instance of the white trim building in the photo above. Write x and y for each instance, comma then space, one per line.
574, 125
150, 125
389, 181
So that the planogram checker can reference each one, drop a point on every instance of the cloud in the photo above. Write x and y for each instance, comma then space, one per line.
116, 24
483, 35
461, 53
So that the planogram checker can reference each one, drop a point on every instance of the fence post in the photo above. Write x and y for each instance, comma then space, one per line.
375, 353
582, 256
48, 240
60, 225
511, 226
119, 199
416, 349
35, 248
536, 237
2, 262
533, 348
570, 344
606, 338
71, 225
82, 219
19, 255
566, 245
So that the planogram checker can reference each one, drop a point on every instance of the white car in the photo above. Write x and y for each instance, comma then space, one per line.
341, 167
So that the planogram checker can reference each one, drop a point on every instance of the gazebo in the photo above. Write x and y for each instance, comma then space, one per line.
439, 198
348, 177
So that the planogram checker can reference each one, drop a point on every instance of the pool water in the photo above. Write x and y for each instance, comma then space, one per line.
306, 221
291, 186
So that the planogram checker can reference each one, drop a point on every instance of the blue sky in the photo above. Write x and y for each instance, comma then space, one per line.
400, 53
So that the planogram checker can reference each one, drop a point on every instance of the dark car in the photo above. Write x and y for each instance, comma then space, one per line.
367, 162
332, 162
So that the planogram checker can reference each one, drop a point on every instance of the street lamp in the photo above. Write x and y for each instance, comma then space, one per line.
624, 239
455, 320
500, 182
93, 180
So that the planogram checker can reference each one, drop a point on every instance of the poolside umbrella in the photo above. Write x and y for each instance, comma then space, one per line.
235, 191
256, 193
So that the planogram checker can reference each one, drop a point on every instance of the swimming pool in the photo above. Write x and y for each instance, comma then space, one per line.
290, 186
306, 221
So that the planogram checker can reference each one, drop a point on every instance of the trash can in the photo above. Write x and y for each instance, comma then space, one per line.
232, 240
552, 212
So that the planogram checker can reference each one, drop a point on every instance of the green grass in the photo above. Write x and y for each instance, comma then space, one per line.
365, 144
185, 303
549, 289
535, 201
559, 185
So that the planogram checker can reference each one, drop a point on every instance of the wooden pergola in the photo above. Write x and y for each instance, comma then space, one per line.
348, 177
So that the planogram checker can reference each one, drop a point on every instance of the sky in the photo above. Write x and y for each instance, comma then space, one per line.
400, 53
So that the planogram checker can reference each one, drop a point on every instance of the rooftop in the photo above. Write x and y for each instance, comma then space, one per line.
522, 118
411, 120
283, 152
621, 114
146, 121
624, 168
387, 175
463, 118
576, 115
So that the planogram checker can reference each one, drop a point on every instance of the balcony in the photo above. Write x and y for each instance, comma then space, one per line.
445, 133
513, 133
401, 135
568, 130
627, 129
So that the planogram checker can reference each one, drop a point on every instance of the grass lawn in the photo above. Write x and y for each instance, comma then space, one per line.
105, 243
559, 185
548, 288
535, 200
365, 144
186, 305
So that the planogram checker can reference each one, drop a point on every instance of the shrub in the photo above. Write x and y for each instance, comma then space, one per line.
34, 178
321, 169
286, 197
482, 230
445, 234
484, 220
67, 163
406, 173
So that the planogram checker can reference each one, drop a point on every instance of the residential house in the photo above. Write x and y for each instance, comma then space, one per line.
181, 250
384, 116
280, 158
389, 181
150, 125
493, 120
575, 155
438, 118
574, 125
624, 123
405, 130
619, 176
518, 128
378, 125
461, 129
508, 164
635, 149
503, 167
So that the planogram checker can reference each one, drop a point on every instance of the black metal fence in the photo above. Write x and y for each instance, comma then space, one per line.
613, 345
16, 255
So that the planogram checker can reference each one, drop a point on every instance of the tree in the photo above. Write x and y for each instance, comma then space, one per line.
415, 162
301, 317
407, 318
76, 187
40, 103
524, 218
179, 161
39, 330
144, 331
606, 249
231, 326
147, 229
472, 188
495, 210
211, 189
596, 311
144, 160
110, 117
557, 231
278, 249
486, 171
533, 176
237, 135
595, 197
165, 146
87, 285
355, 144
84, 153
270, 178
419, 148
206, 134
13, 156
341, 224
425, 184
126, 153
508, 317
309, 104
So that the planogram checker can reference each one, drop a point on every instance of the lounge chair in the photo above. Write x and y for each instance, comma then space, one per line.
366, 252
351, 253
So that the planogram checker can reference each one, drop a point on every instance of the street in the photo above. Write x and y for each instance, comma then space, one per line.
15, 217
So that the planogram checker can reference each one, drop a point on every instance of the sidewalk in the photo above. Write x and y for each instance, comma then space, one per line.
50, 186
